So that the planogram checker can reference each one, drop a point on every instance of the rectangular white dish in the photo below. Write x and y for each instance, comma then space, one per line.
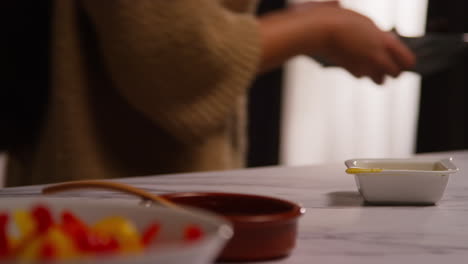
168, 248
401, 181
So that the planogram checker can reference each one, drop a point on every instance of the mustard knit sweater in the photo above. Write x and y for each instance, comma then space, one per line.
143, 87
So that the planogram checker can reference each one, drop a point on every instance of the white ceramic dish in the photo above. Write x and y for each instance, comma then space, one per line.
168, 247
401, 181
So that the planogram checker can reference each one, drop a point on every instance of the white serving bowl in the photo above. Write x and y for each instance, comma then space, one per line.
168, 248
401, 181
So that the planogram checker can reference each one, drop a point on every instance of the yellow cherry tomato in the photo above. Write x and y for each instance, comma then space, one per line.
122, 230
25, 223
64, 244
29, 250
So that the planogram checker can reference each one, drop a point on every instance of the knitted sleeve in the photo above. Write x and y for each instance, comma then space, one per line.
180, 62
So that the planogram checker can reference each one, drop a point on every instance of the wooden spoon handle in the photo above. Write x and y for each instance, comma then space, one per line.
108, 185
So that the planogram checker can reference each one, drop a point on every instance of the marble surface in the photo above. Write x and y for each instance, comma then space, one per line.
337, 227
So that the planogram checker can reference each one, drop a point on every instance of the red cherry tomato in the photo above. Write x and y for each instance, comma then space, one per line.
4, 242
43, 218
193, 233
48, 251
85, 239
150, 234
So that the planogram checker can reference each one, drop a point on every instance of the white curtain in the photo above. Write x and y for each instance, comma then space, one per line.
330, 116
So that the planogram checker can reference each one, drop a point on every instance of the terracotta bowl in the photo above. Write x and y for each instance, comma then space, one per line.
264, 227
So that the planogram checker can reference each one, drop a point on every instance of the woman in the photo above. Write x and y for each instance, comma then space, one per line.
152, 86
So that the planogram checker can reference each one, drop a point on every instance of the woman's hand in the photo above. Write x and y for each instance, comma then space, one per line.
355, 43
341, 36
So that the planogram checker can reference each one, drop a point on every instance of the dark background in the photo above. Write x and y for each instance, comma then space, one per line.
265, 109
443, 113
443, 116
24, 70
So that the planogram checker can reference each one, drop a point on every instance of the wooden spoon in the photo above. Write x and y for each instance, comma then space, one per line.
108, 185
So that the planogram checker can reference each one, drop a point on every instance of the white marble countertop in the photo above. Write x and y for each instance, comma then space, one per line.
337, 227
